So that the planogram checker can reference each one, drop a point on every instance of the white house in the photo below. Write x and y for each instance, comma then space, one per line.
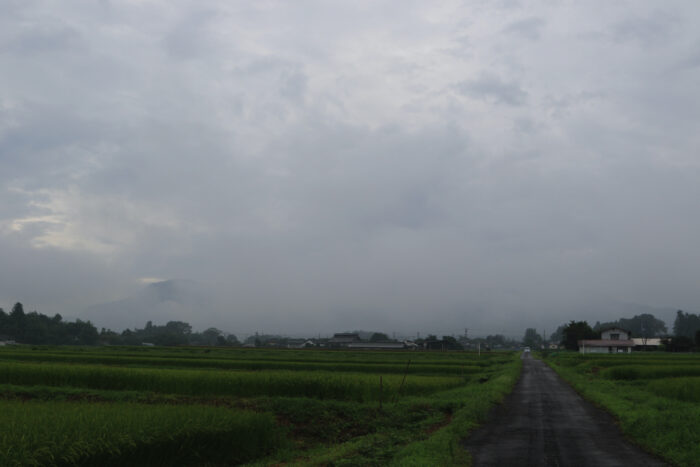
615, 334
647, 343
612, 340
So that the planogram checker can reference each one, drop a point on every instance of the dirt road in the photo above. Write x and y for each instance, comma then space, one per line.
544, 422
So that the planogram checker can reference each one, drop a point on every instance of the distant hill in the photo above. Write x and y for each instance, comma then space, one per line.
159, 302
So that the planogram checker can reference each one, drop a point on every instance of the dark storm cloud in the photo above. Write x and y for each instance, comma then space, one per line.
326, 167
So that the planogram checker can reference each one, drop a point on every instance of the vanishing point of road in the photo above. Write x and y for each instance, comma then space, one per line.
544, 422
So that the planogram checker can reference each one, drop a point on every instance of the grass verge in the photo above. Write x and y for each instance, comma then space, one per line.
661, 425
472, 406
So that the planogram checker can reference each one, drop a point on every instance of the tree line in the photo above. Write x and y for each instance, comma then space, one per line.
686, 331
39, 329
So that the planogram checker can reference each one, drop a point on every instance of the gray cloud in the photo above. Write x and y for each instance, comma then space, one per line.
323, 171
491, 87
529, 28
651, 30
54, 39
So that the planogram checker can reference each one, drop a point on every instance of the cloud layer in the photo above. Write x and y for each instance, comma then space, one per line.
326, 165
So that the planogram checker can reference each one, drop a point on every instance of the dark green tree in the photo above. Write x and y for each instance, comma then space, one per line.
16, 324
558, 335
4, 322
532, 339
686, 324
576, 331
679, 344
82, 333
17, 311
645, 325
378, 337
450, 343
211, 336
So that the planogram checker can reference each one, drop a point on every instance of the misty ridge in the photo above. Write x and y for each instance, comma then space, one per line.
205, 306
164, 309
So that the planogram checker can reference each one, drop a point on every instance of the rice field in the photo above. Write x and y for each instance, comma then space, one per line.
654, 396
204, 406
64, 433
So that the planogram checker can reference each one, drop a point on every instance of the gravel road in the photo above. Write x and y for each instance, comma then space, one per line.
544, 422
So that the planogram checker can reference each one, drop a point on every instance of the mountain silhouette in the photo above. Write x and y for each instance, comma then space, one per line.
159, 302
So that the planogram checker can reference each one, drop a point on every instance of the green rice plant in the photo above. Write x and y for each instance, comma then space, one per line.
254, 358
334, 414
683, 389
429, 441
632, 372
587, 362
315, 384
62, 434
164, 362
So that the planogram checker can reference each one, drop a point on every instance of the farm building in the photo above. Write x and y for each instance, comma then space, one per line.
300, 343
612, 340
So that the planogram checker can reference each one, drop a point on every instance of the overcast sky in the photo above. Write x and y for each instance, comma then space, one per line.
328, 165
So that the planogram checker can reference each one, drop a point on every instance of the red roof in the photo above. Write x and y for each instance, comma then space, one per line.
605, 343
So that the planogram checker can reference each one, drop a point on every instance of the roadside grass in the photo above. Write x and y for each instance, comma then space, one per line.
472, 404
654, 413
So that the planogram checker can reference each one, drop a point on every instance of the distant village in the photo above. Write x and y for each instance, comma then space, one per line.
639, 333
360, 340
